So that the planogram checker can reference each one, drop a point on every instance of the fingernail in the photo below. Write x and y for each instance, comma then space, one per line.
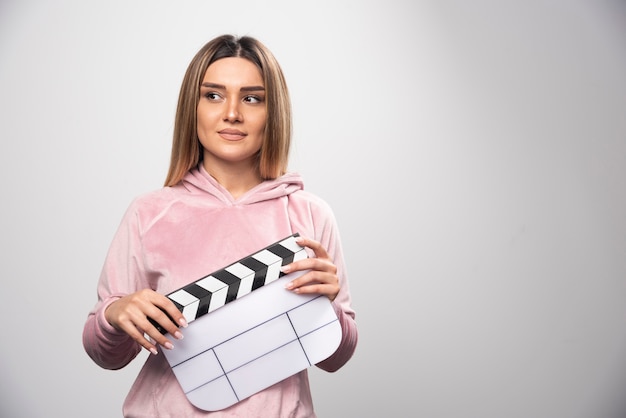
183, 322
178, 335
289, 285
299, 240
168, 345
153, 351
286, 268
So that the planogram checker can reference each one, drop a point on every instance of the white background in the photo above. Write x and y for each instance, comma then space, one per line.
474, 154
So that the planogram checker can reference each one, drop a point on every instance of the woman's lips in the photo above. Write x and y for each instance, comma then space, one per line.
231, 134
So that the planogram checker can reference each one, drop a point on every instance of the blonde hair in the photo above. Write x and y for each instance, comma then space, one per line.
186, 148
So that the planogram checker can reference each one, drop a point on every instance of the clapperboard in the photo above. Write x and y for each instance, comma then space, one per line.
236, 346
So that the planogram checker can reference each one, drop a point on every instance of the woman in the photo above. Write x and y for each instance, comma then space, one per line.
227, 195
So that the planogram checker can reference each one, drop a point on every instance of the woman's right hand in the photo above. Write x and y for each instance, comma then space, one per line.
130, 314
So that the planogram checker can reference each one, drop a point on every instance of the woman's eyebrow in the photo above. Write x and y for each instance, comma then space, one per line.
222, 87
213, 86
253, 88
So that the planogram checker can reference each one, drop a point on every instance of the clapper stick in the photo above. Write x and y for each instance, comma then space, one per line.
234, 281
236, 346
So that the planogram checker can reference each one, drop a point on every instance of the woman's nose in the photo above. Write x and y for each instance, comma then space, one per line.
233, 113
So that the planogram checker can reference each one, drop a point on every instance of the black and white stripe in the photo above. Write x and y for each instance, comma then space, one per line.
236, 280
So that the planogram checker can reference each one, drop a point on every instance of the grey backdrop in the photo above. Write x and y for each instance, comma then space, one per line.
474, 154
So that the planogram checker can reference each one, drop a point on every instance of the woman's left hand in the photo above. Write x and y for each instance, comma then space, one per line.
322, 279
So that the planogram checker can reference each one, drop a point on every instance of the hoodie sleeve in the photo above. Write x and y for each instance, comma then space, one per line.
121, 275
327, 233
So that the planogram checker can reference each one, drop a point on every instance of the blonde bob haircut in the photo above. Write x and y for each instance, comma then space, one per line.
186, 148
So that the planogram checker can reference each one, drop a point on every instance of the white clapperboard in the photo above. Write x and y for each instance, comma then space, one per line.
236, 346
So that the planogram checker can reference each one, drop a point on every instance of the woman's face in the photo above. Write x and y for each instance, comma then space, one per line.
231, 113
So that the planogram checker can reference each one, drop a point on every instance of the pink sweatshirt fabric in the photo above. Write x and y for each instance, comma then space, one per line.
176, 235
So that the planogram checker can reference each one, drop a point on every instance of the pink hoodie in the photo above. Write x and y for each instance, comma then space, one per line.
175, 235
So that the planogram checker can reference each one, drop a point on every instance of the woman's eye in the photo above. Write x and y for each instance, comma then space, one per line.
212, 96
252, 99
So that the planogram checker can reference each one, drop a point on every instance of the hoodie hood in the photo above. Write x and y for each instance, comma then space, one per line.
198, 180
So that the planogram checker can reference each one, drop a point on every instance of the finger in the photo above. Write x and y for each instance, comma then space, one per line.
320, 264
317, 248
162, 322
142, 315
329, 289
148, 338
154, 319
313, 277
174, 315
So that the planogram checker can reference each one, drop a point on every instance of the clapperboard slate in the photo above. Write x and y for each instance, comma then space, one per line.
236, 346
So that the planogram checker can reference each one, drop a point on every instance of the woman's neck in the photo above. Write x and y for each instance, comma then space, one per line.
235, 179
